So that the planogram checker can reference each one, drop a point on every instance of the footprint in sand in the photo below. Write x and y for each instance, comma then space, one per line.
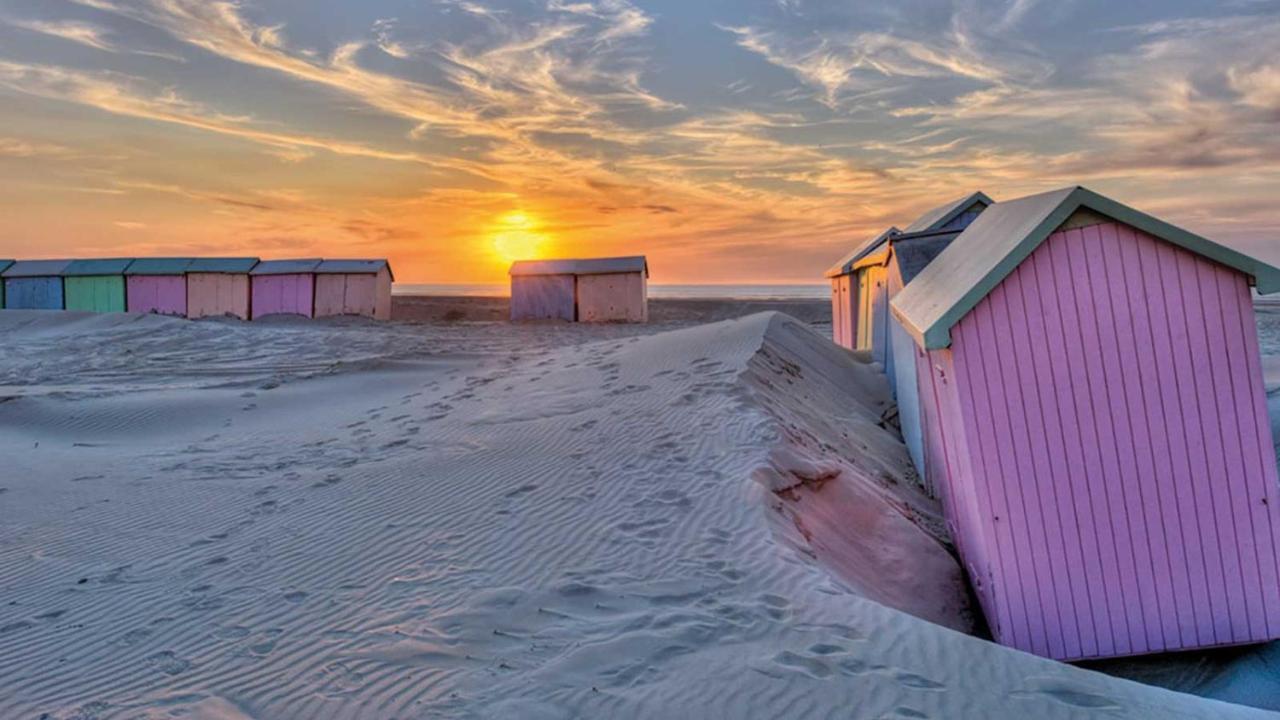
168, 663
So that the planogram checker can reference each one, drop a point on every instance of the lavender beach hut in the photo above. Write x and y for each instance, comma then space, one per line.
284, 287
157, 285
850, 314
219, 287
1095, 422
34, 285
354, 287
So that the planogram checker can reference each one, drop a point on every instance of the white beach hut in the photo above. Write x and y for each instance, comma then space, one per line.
588, 290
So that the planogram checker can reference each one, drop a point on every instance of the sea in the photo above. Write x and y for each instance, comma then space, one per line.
673, 292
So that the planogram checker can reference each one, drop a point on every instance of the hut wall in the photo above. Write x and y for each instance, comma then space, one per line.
543, 297
292, 294
354, 294
843, 308
218, 295
873, 310
33, 293
162, 294
613, 297
1120, 458
95, 293
901, 369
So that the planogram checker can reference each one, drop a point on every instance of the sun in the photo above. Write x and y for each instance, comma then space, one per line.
516, 236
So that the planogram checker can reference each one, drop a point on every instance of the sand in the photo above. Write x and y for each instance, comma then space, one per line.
343, 519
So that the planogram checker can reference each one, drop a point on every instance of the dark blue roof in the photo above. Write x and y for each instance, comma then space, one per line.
158, 266
347, 267
286, 267
105, 266
4, 265
222, 265
36, 268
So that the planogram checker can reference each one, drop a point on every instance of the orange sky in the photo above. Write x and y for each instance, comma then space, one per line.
730, 142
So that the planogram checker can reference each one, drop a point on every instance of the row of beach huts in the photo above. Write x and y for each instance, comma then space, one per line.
246, 288
1080, 384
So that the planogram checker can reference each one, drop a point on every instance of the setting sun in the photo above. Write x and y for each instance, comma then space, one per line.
516, 236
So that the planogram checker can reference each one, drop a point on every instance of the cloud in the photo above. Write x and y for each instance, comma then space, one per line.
22, 148
83, 34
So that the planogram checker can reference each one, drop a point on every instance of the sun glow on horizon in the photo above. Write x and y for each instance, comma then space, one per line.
516, 236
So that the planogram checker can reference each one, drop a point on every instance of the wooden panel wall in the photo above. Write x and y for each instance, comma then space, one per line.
218, 295
36, 293
1120, 466
163, 294
543, 297
283, 295
95, 293
613, 297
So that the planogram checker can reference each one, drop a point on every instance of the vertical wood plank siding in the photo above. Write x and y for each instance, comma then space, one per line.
1099, 437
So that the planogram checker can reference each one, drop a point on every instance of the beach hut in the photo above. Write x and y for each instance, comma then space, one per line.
354, 287
4, 265
909, 254
157, 285
846, 289
1095, 420
284, 287
219, 287
34, 285
95, 285
590, 290
863, 277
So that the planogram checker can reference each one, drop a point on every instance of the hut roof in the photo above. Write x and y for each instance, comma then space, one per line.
36, 268
105, 266
221, 265
4, 265
846, 264
938, 217
286, 267
1007, 233
353, 267
917, 250
590, 266
159, 266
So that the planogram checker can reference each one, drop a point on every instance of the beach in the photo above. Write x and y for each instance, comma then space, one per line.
448, 515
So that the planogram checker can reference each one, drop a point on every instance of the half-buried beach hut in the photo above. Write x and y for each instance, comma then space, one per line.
590, 290
1095, 421
34, 285
354, 287
219, 287
284, 287
157, 285
849, 314
95, 285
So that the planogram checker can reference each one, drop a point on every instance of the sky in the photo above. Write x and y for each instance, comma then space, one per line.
727, 140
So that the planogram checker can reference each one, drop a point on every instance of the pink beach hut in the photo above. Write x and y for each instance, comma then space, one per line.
284, 287
354, 287
219, 287
1095, 422
157, 285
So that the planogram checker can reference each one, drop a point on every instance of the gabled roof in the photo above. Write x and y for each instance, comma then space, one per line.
106, 266
916, 251
865, 248
4, 265
937, 218
36, 268
222, 265
159, 266
286, 267
1006, 234
352, 267
591, 266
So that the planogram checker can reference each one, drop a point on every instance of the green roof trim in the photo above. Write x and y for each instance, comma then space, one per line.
1006, 234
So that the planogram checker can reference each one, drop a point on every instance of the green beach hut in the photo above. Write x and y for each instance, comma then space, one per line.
4, 265
96, 285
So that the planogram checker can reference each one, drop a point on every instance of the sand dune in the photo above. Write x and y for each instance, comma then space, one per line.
345, 520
